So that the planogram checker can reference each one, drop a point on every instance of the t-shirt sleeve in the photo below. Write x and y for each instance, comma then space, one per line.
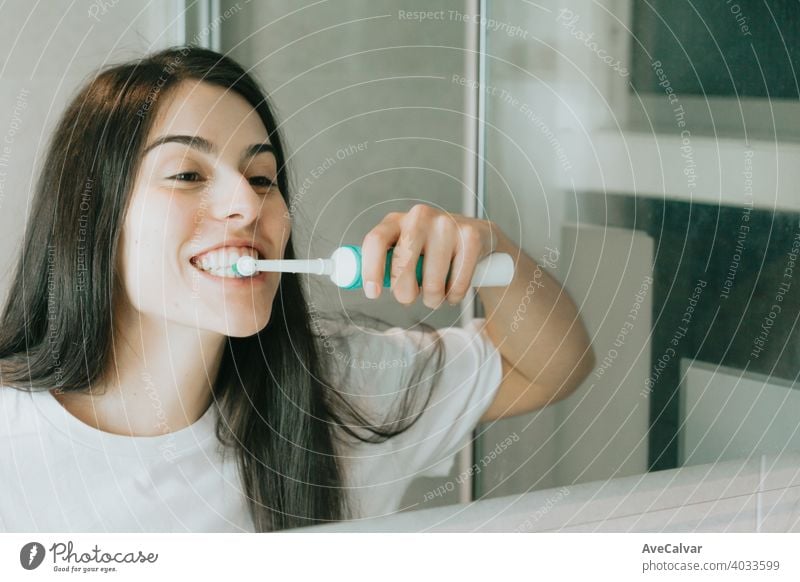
382, 365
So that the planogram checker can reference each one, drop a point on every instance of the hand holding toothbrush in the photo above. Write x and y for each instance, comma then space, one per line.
459, 254
453, 246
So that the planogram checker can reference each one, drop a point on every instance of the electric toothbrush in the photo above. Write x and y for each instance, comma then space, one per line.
344, 268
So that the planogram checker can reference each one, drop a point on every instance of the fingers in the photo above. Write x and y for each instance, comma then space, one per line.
404, 260
451, 244
470, 246
373, 253
439, 250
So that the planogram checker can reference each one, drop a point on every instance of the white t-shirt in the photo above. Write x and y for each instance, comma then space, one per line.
58, 474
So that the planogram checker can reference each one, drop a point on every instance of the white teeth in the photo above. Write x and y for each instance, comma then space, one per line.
219, 262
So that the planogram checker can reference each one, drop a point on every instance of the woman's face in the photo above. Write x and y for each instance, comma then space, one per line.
205, 196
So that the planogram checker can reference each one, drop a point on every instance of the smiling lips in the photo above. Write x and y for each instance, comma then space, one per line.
218, 262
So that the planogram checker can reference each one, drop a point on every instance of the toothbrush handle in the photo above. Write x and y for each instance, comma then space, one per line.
495, 270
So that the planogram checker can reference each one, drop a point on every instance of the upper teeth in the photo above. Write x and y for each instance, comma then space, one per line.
222, 259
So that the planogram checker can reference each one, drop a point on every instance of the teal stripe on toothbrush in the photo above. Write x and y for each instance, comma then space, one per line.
387, 277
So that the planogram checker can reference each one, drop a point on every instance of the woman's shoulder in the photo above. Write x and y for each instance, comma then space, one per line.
374, 358
463, 385
366, 347
378, 358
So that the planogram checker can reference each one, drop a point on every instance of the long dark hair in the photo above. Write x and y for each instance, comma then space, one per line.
56, 329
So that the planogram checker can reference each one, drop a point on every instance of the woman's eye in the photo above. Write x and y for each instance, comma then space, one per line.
262, 182
255, 181
185, 176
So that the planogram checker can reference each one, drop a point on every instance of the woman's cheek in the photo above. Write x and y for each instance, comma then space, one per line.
276, 222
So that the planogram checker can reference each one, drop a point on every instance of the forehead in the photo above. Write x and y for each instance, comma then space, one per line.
217, 113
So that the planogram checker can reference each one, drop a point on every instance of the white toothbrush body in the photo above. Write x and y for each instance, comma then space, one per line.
344, 268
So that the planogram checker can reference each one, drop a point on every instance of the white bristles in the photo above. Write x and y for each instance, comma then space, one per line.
245, 266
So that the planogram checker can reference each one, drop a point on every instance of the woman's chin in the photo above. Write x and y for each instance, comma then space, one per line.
244, 326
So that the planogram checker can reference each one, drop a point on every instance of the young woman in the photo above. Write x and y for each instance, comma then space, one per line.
143, 390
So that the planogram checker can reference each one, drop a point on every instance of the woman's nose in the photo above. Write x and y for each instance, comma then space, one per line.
235, 199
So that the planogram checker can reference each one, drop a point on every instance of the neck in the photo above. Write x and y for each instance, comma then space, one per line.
159, 380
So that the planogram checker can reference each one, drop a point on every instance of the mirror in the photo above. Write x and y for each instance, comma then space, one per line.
642, 152
653, 145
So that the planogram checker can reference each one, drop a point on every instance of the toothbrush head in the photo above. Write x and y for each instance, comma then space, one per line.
244, 267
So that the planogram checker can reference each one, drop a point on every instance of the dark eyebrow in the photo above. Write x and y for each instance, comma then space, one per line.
205, 146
